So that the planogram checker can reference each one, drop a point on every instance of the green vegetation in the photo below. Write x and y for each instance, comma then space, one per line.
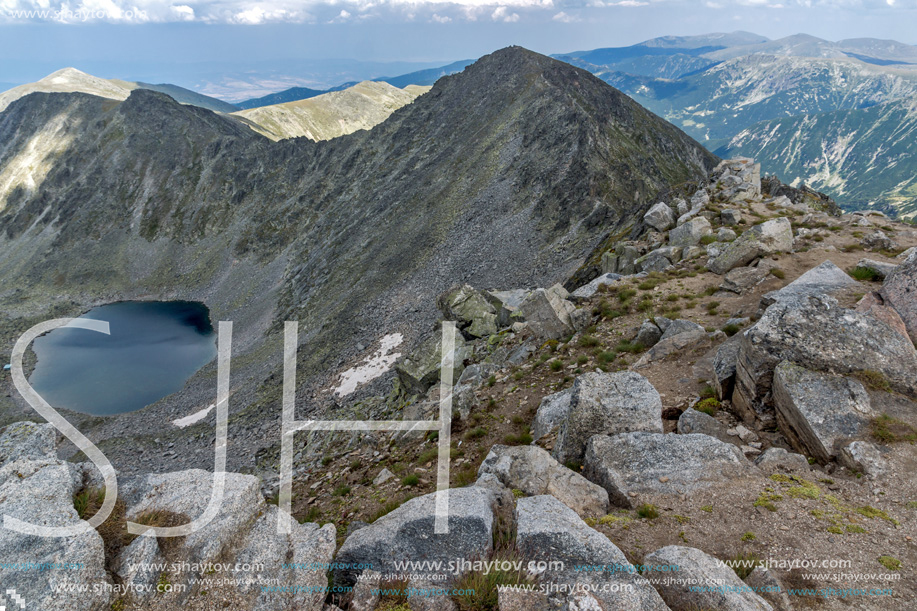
749, 536
648, 511
886, 429
410, 480
709, 406
873, 380
889, 562
864, 274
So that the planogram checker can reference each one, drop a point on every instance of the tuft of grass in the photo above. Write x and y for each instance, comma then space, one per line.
731, 329
613, 520
873, 380
556, 365
607, 357
886, 429
890, 562
648, 511
748, 536
744, 564
776, 272
491, 380
707, 508
482, 591
521, 439
709, 406
708, 239
768, 501
864, 274
708, 392
342, 490
872, 513
410, 480
476, 433
630, 347
588, 341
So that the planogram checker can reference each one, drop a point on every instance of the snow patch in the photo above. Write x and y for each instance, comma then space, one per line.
193, 418
371, 368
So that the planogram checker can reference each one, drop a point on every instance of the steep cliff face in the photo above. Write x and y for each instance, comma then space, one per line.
506, 174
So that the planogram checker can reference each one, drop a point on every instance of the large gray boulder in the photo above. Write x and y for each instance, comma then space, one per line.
301, 557
660, 217
606, 404
533, 471
816, 333
473, 313
407, 532
679, 335
864, 457
695, 568
743, 279
187, 494
507, 303
767, 238
648, 334
773, 459
549, 531
874, 305
680, 326
588, 290
824, 279
37, 488
632, 464
819, 412
693, 421
420, 370
690, 233
770, 588
900, 292
659, 260
551, 414
548, 313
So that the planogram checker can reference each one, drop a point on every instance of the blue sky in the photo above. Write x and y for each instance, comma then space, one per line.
183, 41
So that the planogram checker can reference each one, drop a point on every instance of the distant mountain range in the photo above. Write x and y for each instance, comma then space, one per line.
333, 114
73, 80
741, 93
420, 77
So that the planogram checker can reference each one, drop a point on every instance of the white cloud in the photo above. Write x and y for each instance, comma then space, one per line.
564, 18
440, 18
501, 13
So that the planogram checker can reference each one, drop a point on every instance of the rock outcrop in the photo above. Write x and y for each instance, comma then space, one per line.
534, 472
900, 292
634, 464
767, 238
606, 404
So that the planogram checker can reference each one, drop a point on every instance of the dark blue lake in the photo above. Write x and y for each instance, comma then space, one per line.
154, 347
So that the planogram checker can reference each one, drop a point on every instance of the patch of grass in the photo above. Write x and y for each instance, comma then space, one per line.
708, 392
709, 406
476, 433
88, 501
855, 528
556, 365
342, 490
521, 439
588, 341
630, 347
708, 239
864, 274
648, 511
886, 429
912, 504
625, 295
707, 508
493, 380
709, 291
466, 476
872, 513
873, 380
778, 273
805, 489
890, 562
681, 519
483, 590
613, 520
748, 536
731, 329
582, 359
410, 480
607, 357
768, 501
744, 564
326, 460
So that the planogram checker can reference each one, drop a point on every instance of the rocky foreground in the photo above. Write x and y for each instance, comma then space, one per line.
621, 437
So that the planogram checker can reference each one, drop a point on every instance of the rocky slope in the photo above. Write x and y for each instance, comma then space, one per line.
614, 448
73, 80
519, 159
331, 115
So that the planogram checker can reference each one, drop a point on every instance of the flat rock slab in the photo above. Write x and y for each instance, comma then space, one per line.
693, 421
874, 304
656, 464
535, 472
407, 533
606, 404
819, 412
816, 333
824, 279
696, 567
588, 290
549, 531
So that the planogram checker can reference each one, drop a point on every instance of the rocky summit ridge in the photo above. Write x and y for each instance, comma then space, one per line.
733, 383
